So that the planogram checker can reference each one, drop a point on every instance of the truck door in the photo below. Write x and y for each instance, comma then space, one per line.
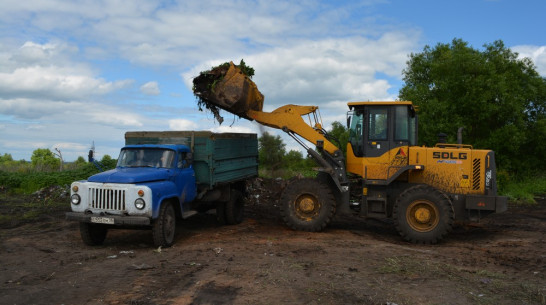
185, 178
376, 142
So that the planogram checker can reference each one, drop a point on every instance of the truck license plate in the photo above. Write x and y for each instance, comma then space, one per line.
105, 220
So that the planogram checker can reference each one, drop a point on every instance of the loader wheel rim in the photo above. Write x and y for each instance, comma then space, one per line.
307, 207
422, 215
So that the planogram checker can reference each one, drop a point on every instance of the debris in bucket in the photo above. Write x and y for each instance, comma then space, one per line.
229, 87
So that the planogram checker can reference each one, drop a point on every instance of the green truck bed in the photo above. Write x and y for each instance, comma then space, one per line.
217, 157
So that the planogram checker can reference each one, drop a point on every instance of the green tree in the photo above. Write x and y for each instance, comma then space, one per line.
6, 158
340, 135
43, 159
107, 162
271, 151
498, 98
80, 161
294, 160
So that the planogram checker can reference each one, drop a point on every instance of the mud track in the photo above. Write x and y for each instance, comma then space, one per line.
501, 260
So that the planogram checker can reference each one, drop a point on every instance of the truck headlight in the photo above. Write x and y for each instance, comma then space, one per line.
75, 199
140, 203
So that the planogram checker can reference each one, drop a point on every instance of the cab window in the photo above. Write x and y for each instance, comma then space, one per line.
355, 133
377, 124
405, 125
401, 123
183, 160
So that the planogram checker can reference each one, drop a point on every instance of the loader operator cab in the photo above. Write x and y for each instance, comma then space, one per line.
377, 127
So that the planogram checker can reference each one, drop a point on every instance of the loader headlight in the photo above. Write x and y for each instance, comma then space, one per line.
75, 199
140, 203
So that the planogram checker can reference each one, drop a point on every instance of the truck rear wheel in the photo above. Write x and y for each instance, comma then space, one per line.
164, 226
93, 234
307, 205
235, 208
423, 214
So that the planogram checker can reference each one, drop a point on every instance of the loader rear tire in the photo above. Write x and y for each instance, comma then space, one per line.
423, 214
307, 205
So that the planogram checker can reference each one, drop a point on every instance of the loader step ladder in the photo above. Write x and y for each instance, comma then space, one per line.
374, 204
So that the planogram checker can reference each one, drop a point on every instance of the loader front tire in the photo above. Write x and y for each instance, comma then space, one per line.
423, 214
307, 205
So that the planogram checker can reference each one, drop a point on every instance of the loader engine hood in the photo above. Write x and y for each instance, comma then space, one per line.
131, 175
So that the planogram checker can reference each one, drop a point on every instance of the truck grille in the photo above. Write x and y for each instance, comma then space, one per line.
107, 199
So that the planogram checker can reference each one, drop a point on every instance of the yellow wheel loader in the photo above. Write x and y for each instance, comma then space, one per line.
385, 174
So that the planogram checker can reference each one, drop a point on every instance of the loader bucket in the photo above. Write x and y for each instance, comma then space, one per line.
228, 89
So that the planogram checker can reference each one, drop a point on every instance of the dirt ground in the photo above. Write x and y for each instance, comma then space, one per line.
501, 260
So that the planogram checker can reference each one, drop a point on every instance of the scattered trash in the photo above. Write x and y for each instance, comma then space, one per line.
158, 250
485, 280
126, 252
218, 250
112, 256
55, 192
142, 267
478, 295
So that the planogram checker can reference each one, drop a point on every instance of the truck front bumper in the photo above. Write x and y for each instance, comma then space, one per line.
106, 219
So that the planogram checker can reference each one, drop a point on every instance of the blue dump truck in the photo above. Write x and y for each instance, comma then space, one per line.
165, 176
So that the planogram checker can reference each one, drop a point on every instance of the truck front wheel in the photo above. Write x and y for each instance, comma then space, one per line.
93, 234
423, 214
307, 205
164, 226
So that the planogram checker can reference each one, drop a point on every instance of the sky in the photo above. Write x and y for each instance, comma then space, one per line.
78, 72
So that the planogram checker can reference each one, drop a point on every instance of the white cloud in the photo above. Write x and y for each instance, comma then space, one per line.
54, 83
150, 88
182, 124
46, 71
70, 112
179, 33
536, 53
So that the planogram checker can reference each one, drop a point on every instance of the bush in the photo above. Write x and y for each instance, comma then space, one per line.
30, 182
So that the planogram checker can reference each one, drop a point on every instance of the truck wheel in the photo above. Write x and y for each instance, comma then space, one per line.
164, 226
93, 234
423, 214
221, 212
235, 208
307, 205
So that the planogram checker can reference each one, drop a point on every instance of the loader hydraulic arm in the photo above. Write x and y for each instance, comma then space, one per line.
289, 119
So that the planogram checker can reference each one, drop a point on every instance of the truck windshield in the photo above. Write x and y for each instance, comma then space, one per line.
146, 157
